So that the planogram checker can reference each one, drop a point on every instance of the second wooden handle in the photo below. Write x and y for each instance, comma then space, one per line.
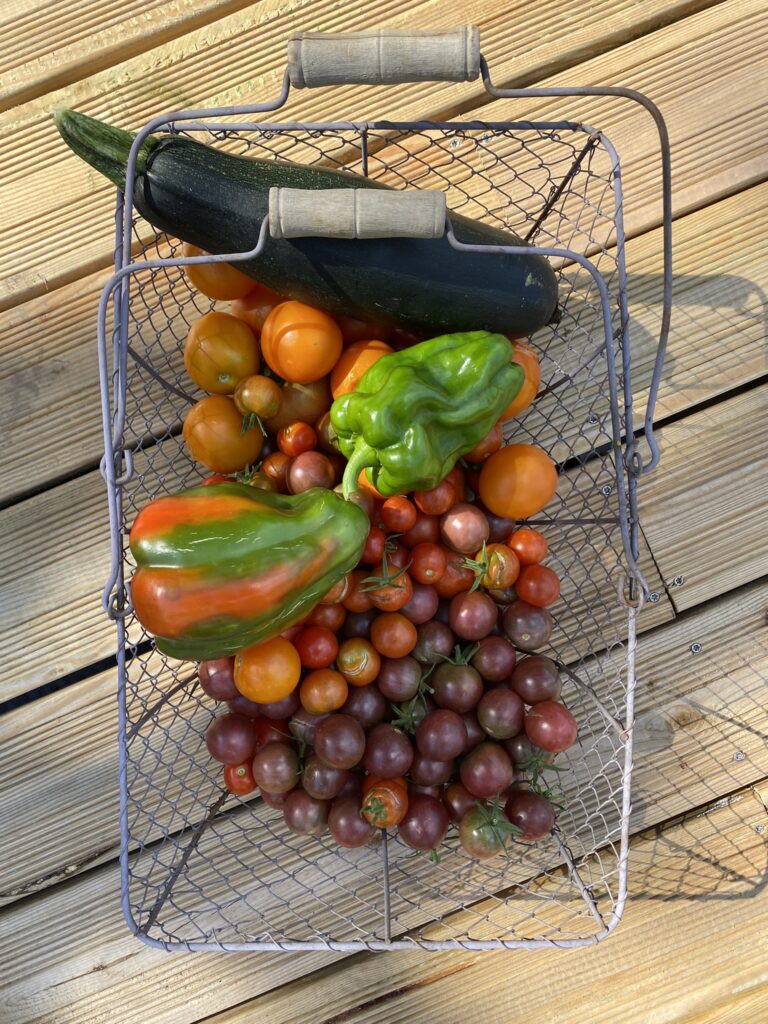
356, 213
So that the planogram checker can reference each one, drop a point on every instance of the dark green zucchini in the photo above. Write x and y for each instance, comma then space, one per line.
218, 201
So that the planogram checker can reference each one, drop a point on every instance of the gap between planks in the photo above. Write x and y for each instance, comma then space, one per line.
661, 63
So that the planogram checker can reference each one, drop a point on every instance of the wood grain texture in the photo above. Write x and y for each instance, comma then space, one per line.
46, 46
700, 876
699, 873
216, 64
679, 696
710, 488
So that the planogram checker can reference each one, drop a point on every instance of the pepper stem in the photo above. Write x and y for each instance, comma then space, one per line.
361, 457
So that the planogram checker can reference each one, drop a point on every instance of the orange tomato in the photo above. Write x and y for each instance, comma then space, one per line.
216, 280
256, 306
517, 481
524, 356
214, 436
353, 363
219, 352
323, 690
300, 343
268, 671
364, 484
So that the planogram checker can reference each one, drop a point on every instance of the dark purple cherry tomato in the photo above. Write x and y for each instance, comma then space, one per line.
304, 814
441, 735
398, 678
494, 659
536, 678
388, 752
310, 469
526, 755
217, 678
533, 814
486, 770
500, 713
276, 800
321, 781
231, 739
434, 639
346, 824
456, 687
472, 616
358, 624
276, 768
435, 791
425, 772
477, 835
458, 800
527, 627
499, 527
340, 741
367, 704
240, 705
422, 605
551, 726
284, 708
425, 823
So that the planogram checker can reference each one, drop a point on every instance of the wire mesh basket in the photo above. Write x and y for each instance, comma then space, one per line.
203, 870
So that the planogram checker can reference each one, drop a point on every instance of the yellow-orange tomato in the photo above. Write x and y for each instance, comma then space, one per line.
216, 280
524, 356
353, 363
214, 435
268, 671
220, 351
323, 690
517, 481
256, 306
300, 343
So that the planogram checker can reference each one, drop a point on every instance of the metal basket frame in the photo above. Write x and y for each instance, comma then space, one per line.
118, 469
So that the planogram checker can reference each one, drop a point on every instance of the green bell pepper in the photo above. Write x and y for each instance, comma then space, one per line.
225, 566
416, 412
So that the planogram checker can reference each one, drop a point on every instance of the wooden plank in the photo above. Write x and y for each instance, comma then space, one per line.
710, 488
78, 225
79, 802
699, 877
49, 397
687, 876
46, 46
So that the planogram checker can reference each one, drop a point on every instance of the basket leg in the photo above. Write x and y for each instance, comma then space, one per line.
577, 880
198, 830
385, 882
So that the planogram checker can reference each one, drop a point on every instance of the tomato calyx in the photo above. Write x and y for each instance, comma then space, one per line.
479, 566
461, 655
247, 473
493, 817
410, 713
251, 420
374, 810
388, 578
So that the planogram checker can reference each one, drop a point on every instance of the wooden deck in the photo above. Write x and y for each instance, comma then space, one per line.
691, 949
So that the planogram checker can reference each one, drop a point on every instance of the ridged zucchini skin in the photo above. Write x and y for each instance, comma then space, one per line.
218, 201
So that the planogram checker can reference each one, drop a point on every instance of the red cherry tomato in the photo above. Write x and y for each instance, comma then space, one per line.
296, 438
238, 778
538, 585
317, 646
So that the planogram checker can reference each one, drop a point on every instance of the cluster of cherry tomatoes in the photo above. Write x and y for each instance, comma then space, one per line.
411, 697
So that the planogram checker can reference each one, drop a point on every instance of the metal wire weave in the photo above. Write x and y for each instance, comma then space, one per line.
204, 870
